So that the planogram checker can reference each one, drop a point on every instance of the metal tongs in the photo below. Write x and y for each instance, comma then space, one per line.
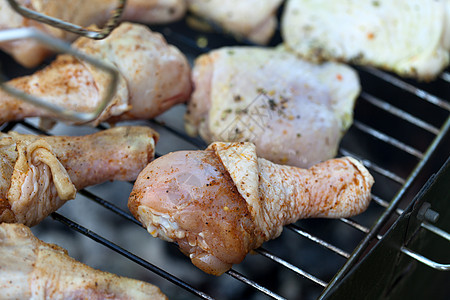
59, 46
93, 34
63, 47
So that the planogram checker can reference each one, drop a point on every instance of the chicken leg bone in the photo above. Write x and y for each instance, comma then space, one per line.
40, 173
221, 203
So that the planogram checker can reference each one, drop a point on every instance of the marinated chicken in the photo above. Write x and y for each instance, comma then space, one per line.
411, 38
251, 19
272, 98
221, 203
40, 173
154, 76
84, 13
33, 269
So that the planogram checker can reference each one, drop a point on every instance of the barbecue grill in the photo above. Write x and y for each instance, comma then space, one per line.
398, 248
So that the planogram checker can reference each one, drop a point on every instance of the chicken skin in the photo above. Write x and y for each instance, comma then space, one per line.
251, 19
221, 203
40, 173
84, 13
410, 38
154, 76
272, 98
33, 269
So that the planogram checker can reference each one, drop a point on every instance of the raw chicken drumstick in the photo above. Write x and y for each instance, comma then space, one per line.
251, 19
221, 203
410, 38
84, 13
40, 173
272, 98
33, 269
154, 76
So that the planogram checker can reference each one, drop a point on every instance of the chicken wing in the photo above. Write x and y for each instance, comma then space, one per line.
84, 13
40, 173
221, 203
154, 76
33, 269
252, 19
411, 38
273, 99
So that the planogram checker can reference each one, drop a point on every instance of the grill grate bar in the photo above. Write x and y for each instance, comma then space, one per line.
443, 234
99, 239
194, 141
9, 126
291, 267
408, 87
372, 166
110, 206
385, 204
445, 76
387, 139
398, 113
355, 224
245, 280
319, 241
33, 128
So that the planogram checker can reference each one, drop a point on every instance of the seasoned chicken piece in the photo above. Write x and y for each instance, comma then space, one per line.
296, 112
40, 173
411, 38
84, 13
251, 19
221, 203
33, 269
154, 76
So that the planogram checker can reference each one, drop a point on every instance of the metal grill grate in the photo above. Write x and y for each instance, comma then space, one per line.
396, 127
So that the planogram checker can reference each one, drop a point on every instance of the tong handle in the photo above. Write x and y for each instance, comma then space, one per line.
93, 34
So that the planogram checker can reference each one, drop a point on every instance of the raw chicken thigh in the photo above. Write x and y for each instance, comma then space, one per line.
411, 38
221, 203
32, 269
154, 76
84, 13
252, 19
40, 173
296, 112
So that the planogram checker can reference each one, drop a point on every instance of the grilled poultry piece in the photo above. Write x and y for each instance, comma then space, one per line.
40, 173
251, 19
154, 76
272, 98
33, 269
84, 13
221, 203
411, 38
